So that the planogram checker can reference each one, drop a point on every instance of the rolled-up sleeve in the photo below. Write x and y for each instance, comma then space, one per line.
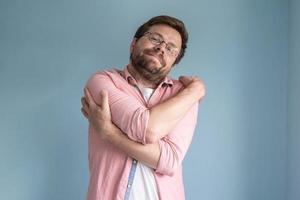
127, 112
174, 146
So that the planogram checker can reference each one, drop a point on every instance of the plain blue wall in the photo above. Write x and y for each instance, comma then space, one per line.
48, 49
293, 103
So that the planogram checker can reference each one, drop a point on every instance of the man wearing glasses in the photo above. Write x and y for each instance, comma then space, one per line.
141, 121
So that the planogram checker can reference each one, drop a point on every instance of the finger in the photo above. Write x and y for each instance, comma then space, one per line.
85, 107
84, 103
104, 99
185, 80
89, 99
182, 77
85, 114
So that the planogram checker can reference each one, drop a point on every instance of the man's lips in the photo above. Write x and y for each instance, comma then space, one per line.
158, 57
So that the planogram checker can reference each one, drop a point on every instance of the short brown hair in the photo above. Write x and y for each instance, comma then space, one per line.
169, 21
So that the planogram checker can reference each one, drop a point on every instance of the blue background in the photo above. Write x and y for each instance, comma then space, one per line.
247, 52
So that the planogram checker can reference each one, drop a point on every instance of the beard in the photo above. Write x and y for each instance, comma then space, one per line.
148, 67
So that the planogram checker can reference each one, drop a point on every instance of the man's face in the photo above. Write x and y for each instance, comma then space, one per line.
154, 54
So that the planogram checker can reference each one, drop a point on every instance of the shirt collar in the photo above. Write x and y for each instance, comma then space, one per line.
131, 80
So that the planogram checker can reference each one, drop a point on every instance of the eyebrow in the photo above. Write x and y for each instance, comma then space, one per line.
169, 43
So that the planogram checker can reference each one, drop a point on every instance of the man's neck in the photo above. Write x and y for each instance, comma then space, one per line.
140, 79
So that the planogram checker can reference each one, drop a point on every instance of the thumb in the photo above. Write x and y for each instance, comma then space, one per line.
104, 99
185, 80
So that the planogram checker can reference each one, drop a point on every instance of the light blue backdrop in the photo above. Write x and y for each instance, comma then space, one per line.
48, 49
293, 188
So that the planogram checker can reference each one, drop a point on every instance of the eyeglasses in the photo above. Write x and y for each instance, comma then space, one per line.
157, 39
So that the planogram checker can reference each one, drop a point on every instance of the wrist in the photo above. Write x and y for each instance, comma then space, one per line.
106, 131
193, 92
111, 133
103, 130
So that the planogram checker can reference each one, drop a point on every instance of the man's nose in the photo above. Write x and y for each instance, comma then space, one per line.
161, 47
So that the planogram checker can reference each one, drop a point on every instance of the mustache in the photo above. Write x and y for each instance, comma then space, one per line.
154, 53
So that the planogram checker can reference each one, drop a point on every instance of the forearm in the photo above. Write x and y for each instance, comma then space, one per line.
163, 117
148, 154
134, 118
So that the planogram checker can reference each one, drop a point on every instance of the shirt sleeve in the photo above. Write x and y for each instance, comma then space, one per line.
174, 146
127, 112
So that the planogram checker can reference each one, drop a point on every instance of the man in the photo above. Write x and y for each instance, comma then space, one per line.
141, 120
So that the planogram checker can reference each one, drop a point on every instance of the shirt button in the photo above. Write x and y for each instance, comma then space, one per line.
134, 161
128, 185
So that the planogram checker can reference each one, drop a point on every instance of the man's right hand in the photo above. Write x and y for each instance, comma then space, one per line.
98, 115
194, 84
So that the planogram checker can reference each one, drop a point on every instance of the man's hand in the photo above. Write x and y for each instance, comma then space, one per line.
98, 115
100, 118
194, 84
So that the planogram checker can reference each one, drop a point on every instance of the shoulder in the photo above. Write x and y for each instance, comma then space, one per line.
110, 72
108, 79
105, 78
106, 75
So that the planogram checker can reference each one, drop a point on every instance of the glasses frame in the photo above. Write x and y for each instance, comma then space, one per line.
171, 50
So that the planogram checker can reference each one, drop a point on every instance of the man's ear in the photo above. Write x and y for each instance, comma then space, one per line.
132, 45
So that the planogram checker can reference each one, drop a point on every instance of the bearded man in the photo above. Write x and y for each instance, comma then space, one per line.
141, 121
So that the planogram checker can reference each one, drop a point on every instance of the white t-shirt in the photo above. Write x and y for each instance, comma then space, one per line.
144, 184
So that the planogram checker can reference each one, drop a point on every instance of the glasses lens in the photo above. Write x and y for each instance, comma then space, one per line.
155, 38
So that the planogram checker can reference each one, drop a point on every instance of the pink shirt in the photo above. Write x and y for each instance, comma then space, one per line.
110, 167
